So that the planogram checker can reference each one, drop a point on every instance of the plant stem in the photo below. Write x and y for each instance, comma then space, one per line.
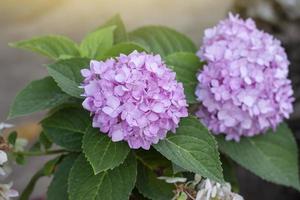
28, 153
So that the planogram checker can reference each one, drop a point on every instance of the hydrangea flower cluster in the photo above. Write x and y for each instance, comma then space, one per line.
135, 98
243, 86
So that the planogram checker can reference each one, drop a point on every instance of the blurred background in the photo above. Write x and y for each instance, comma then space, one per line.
22, 19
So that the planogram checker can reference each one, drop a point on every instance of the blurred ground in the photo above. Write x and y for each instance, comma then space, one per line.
74, 18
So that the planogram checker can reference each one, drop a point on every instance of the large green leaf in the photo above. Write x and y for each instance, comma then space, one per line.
96, 43
272, 156
120, 34
52, 46
102, 152
152, 159
186, 65
162, 40
115, 184
151, 187
123, 48
67, 126
193, 148
67, 74
38, 95
58, 188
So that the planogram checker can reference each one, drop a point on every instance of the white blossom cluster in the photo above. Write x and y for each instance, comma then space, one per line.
202, 189
6, 191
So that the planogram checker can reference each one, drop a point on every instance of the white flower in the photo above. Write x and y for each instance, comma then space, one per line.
20, 144
3, 157
209, 189
6, 192
172, 179
4, 168
5, 125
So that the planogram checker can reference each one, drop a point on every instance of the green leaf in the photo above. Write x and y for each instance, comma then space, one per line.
67, 74
162, 40
102, 152
96, 43
50, 166
45, 141
52, 46
120, 34
20, 159
123, 48
186, 65
58, 187
67, 126
272, 156
12, 138
193, 148
229, 172
152, 159
115, 184
38, 95
36, 147
151, 187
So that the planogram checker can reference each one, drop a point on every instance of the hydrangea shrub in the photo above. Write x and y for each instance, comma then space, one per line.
126, 109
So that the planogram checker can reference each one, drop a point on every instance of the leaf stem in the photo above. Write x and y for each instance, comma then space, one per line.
29, 153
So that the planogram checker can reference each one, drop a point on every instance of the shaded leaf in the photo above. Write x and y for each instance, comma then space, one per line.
58, 187
186, 65
193, 148
67, 126
151, 187
115, 184
12, 138
38, 95
272, 156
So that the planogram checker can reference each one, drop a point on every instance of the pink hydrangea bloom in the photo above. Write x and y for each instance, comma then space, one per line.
243, 86
135, 98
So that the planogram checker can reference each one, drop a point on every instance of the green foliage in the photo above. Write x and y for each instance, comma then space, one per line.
67, 74
102, 152
162, 40
115, 184
229, 172
151, 187
153, 160
12, 138
67, 126
272, 156
52, 46
20, 159
186, 65
193, 148
120, 34
96, 43
57, 189
45, 141
104, 169
38, 95
124, 48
